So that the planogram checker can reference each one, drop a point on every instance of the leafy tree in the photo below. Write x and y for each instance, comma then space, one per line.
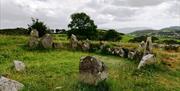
82, 26
112, 35
39, 26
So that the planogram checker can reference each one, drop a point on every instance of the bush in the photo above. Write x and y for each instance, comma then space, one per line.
142, 38
112, 35
39, 26
171, 42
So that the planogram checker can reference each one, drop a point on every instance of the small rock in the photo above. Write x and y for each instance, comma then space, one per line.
19, 66
10, 85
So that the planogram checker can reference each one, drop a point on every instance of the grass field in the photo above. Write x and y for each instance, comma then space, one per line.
57, 70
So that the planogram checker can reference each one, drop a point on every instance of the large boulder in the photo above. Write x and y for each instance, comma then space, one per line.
19, 65
73, 41
147, 59
10, 85
47, 41
92, 70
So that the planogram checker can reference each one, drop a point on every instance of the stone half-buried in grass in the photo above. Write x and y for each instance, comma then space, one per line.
18, 65
92, 71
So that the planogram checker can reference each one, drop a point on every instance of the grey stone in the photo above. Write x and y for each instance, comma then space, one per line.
10, 85
47, 41
92, 70
33, 42
57, 45
148, 46
131, 55
147, 59
34, 33
19, 65
73, 41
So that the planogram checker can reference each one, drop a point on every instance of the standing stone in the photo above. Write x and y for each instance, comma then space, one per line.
10, 85
131, 55
34, 33
47, 41
73, 41
92, 71
18, 65
147, 59
148, 46
85, 45
121, 53
33, 41
142, 44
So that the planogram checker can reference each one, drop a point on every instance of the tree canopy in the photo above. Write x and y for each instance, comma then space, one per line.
82, 26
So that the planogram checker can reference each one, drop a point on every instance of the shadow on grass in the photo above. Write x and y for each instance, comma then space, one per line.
102, 86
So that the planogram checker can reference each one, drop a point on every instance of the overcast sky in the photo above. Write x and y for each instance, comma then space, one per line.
106, 13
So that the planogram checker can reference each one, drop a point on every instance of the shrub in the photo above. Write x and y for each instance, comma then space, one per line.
39, 26
142, 38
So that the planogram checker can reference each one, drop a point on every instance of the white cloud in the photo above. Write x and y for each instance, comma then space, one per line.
105, 13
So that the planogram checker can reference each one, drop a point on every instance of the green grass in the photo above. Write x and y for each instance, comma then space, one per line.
48, 69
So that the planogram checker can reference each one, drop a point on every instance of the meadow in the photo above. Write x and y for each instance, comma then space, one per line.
58, 69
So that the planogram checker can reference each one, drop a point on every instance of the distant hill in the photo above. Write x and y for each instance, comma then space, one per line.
171, 32
131, 29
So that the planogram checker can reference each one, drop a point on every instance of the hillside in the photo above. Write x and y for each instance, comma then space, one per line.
170, 32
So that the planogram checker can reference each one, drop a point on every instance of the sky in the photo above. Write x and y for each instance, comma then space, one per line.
108, 14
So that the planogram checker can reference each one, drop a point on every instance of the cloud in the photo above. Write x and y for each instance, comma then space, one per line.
105, 13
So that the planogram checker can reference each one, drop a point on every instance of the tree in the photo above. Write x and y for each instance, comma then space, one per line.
39, 26
82, 26
112, 35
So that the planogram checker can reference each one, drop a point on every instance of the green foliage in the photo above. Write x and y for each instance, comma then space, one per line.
16, 31
82, 26
142, 38
112, 35
39, 26
171, 42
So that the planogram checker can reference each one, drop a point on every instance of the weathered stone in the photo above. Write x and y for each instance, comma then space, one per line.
73, 41
131, 55
148, 46
121, 53
147, 59
57, 45
85, 45
18, 65
47, 41
92, 71
34, 33
142, 44
33, 42
10, 85
126, 51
